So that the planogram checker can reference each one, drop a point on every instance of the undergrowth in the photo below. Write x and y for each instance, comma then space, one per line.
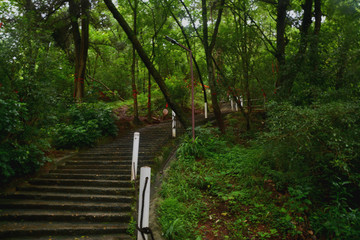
294, 180
217, 191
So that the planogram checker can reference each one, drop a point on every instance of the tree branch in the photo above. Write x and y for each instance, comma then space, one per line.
217, 24
191, 20
103, 84
144, 57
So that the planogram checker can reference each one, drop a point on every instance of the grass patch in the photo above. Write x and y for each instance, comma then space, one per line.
216, 190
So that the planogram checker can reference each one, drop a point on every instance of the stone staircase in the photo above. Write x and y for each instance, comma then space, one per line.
88, 196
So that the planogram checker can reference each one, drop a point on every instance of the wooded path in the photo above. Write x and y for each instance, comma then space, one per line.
87, 196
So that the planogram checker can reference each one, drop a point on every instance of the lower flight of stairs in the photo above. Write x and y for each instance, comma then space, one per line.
89, 196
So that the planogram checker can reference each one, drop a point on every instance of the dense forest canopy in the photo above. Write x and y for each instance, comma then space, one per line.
294, 48
63, 61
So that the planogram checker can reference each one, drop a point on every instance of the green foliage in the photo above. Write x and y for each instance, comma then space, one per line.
337, 222
12, 112
316, 141
19, 153
208, 170
179, 90
314, 153
83, 124
173, 219
17, 160
270, 184
206, 140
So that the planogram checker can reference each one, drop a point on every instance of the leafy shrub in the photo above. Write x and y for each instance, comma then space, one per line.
17, 160
317, 148
19, 154
179, 90
11, 121
206, 140
215, 180
84, 124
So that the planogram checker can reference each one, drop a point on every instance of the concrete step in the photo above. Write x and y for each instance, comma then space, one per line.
64, 205
57, 215
90, 171
62, 230
91, 166
117, 150
118, 236
119, 163
110, 154
76, 197
87, 176
80, 190
93, 170
110, 157
80, 182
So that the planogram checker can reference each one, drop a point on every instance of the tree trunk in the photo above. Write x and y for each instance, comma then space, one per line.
304, 40
210, 67
314, 56
304, 29
81, 42
149, 115
133, 68
149, 65
246, 66
281, 83
189, 46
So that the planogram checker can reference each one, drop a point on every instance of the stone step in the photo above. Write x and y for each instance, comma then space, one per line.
93, 170
99, 167
81, 190
109, 154
57, 215
117, 150
80, 182
64, 205
110, 158
119, 163
76, 197
90, 171
87, 176
62, 230
149, 144
114, 236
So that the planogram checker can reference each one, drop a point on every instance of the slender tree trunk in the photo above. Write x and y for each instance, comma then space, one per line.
318, 15
314, 56
81, 42
304, 29
304, 40
149, 115
210, 66
193, 57
144, 57
280, 45
133, 67
246, 65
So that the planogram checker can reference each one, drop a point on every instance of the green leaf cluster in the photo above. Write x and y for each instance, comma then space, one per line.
316, 148
19, 153
83, 125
